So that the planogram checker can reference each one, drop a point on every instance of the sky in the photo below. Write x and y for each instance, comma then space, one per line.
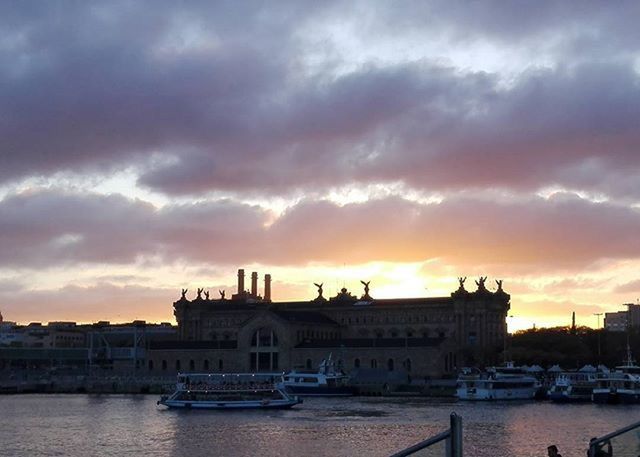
147, 147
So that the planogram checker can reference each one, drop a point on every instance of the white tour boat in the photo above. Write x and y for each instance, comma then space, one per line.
229, 391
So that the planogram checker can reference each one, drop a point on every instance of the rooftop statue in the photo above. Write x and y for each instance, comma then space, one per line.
343, 295
221, 292
206, 295
200, 292
499, 283
184, 294
480, 283
461, 280
366, 290
319, 286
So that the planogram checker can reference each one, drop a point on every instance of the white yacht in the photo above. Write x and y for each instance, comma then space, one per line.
327, 381
228, 391
573, 387
499, 383
621, 385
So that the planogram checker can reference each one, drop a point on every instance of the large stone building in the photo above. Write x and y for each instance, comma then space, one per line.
249, 332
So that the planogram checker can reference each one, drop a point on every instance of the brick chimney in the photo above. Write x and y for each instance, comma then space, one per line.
254, 284
240, 281
267, 287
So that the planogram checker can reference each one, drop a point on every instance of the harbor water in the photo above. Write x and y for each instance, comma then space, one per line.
114, 425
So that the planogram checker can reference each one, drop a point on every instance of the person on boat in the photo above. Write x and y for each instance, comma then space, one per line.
552, 451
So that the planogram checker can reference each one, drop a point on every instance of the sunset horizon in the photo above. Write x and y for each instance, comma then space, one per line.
143, 153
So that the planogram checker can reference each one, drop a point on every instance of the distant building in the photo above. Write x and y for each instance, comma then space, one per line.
250, 333
634, 315
71, 345
616, 322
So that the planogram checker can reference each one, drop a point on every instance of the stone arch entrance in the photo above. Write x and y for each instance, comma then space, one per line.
263, 350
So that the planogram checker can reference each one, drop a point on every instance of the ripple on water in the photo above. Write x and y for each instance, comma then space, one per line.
80, 425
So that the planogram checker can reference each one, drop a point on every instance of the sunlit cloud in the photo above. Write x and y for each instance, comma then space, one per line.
143, 150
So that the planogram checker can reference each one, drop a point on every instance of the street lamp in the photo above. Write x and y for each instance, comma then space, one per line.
598, 330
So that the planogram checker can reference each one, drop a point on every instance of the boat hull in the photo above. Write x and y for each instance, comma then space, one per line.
220, 405
321, 391
605, 397
496, 394
629, 397
567, 398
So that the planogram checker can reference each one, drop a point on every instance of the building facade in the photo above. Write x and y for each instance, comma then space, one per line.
251, 333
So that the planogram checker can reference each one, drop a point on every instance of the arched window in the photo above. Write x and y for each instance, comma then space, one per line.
356, 363
150, 365
264, 337
192, 365
309, 364
205, 365
220, 364
407, 364
263, 354
164, 365
390, 364
374, 363
177, 365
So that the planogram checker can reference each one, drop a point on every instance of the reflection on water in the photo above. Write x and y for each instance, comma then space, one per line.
81, 425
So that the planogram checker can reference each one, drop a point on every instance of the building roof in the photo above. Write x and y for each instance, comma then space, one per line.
306, 317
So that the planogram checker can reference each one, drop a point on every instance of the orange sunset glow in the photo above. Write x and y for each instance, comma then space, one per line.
145, 153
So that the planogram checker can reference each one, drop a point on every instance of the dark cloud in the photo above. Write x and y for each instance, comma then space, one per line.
46, 229
222, 91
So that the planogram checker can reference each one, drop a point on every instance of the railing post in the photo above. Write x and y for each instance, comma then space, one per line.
455, 448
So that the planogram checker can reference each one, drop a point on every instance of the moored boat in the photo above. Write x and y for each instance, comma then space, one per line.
327, 381
573, 387
228, 391
500, 383
621, 385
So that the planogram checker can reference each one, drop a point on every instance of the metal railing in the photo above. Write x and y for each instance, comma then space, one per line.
451, 438
624, 442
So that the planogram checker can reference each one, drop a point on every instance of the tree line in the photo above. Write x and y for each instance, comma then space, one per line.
572, 347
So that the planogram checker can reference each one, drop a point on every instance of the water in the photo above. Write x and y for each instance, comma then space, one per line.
112, 425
